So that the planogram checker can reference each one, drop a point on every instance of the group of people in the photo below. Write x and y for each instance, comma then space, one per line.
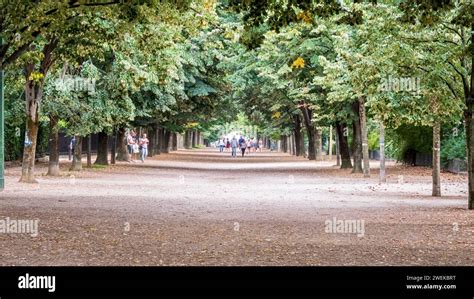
137, 146
233, 144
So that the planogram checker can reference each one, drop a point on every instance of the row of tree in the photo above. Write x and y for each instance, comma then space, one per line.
100, 67
314, 64
293, 67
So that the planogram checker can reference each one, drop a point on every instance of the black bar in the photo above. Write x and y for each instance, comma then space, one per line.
241, 282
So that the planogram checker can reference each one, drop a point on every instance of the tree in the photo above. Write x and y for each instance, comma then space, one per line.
45, 26
457, 17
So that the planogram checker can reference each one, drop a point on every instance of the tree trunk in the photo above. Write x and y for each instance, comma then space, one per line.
77, 157
169, 142
469, 123
299, 140
343, 146
175, 141
89, 151
283, 145
311, 133
338, 157
330, 143
157, 140
122, 151
102, 149
311, 148
188, 137
194, 139
356, 140
162, 141
33, 97
185, 139
318, 144
165, 141
293, 143
365, 142
290, 144
53, 167
383, 178
436, 160
151, 137
114, 147
33, 94
470, 150
198, 138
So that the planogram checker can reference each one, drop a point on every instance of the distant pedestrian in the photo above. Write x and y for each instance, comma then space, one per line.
72, 146
255, 145
227, 145
131, 144
243, 146
221, 145
250, 145
234, 143
143, 142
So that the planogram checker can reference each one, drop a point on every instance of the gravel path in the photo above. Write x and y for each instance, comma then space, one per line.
201, 207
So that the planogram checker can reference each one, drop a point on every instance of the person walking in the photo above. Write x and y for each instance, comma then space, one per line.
227, 145
221, 145
143, 142
254, 145
72, 146
249, 145
234, 143
241, 139
130, 144
243, 146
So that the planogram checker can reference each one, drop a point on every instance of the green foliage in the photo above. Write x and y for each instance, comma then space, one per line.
42, 142
411, 139
203, 64
13, 143
453, 146
392, 150
14, 116
373, 138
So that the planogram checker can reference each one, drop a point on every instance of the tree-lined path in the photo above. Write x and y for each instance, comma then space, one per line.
201, 207
367, 107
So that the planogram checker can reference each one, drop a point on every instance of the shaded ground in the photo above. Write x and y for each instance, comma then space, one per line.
204, 208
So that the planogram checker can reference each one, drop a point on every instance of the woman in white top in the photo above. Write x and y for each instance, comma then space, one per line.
221, 145
130, 143
143, 147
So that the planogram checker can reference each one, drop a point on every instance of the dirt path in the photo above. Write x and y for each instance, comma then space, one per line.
205, 208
